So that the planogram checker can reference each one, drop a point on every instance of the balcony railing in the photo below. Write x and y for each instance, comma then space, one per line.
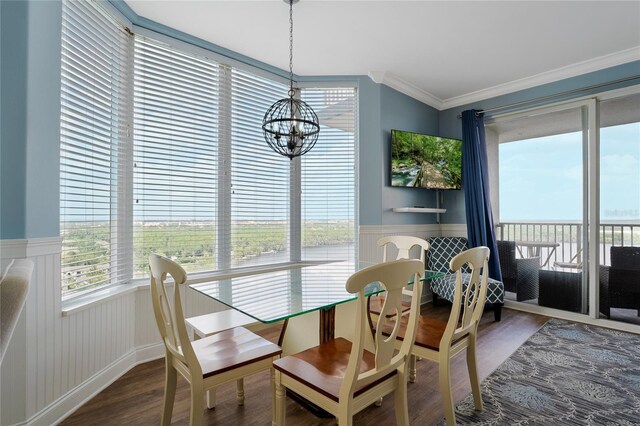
569, 252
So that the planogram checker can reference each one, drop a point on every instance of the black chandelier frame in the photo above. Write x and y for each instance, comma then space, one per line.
290, 125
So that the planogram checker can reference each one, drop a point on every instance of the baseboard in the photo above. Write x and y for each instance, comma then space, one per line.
571, 316
149, 352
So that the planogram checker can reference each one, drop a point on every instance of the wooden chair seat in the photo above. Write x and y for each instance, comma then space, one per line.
428, 335
322, 367
376, 303
231, 349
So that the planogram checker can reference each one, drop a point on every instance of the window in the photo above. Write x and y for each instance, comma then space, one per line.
162, 152
94, 134
175, 138
329, 177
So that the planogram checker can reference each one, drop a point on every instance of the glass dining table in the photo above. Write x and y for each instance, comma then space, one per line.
274, 296
282, 295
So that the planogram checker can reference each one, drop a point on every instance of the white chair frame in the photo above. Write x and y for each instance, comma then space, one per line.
394, 276
461, 329
180, 354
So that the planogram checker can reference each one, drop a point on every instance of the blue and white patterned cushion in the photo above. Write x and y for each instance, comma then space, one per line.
444, 287
442, 250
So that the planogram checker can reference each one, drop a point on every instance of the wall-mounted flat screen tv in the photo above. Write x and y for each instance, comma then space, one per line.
425, 161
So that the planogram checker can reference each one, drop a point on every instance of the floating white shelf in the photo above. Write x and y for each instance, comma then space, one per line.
418, 210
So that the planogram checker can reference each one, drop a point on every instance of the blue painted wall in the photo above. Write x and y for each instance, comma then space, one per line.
29, 174
13, 46
401, 112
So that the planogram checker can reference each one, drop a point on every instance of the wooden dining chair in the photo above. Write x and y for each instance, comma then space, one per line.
403, 245
205, 363
341, 376
212, 323
440, 341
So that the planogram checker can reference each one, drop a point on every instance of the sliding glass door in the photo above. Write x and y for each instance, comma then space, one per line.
619, 176
566, 189
543, 203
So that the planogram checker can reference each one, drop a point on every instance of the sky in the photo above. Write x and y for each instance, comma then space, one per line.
541, 178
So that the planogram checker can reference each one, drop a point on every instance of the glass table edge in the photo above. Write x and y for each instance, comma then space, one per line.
433, 275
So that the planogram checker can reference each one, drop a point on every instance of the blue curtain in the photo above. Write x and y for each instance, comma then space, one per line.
475, 178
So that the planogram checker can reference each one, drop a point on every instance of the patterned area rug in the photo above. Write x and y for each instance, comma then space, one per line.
565, 374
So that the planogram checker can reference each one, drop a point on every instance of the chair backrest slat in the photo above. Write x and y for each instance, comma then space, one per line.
393, 276
169, 313
404, 244
469, 300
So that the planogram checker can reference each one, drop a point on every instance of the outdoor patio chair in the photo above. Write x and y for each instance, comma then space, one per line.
519, 276
621, 281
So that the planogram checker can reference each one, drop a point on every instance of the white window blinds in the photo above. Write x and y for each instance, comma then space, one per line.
93, 131
175, 186
162, 151
260, 178
329, 177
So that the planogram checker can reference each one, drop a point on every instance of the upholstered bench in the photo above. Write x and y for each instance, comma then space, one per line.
440, 253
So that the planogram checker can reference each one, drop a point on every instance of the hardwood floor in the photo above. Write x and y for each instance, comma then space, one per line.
136, 398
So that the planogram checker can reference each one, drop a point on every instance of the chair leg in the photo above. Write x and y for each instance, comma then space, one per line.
412, 368
445, 390
272, 383
171, 376
401, 400
279, 414
211, 398
344, 418
497, 312
197, 396
240, 391
472, 365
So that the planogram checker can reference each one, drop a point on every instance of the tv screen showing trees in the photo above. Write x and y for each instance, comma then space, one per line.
425, 161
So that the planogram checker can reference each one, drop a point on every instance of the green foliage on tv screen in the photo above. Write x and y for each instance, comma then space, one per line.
425, 161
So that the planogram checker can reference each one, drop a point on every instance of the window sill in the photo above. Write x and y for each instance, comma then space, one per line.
82, 302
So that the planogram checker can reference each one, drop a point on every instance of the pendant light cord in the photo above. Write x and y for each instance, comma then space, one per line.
291, 91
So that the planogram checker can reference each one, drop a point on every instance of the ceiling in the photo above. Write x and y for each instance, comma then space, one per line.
444, 53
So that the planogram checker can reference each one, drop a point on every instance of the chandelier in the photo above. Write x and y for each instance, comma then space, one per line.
290, 126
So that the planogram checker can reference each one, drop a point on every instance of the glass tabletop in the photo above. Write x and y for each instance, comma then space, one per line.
273, 296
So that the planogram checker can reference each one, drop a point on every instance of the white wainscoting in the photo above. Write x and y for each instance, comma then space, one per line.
55, 363
369, 236
50, 356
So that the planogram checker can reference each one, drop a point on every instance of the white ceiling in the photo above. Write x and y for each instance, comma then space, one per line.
445, 53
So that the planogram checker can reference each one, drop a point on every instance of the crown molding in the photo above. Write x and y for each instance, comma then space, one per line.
580, 68
405, 87
558, 74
